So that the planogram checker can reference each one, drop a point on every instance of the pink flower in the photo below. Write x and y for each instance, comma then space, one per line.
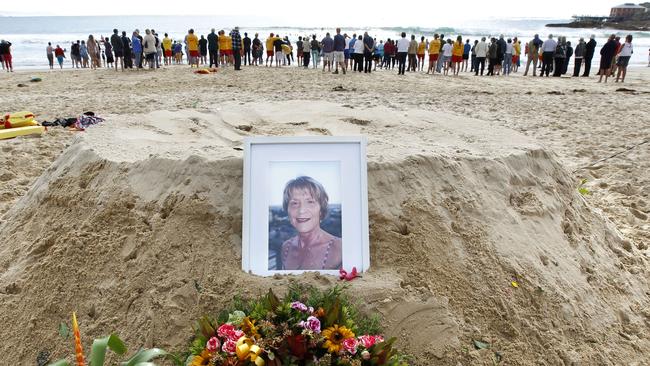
350, 345
379, 339
367, 341
299, 306
312, 324
229, 347
225, 330
365, 355
213, 344
228, 332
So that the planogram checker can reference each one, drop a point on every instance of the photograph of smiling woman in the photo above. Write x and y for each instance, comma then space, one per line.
312, 247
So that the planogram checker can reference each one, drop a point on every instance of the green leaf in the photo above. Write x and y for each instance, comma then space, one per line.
481, 345
272, 300
584, 191
64, 331
144, 355
98, 351
60, 363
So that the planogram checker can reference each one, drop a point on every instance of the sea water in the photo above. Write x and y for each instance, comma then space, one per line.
29, 35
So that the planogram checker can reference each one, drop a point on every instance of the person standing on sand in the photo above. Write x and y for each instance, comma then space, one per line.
501, 52
59, 53
579, 54
368, 52
167, 50
402, 50
559, 57
49, 51
447, 53
473, 56
532, 55
83, 52
357, 54
5, 51
457, 55
493, 49
126, 47
203, 50
481, 50
569, 53
247, 49
256, 49
434, 53
109, 53
213, 48
93, 52
306, 52
507, 59
548, 50
236, 47
192, 42
118, 49
590, 49
467, 49
439, 63
315, 52
277, 47
607, 53
516, 54
328, 48
339, 52
422, 50
412, 52
269, 50
136, 45
149, 49
624, 58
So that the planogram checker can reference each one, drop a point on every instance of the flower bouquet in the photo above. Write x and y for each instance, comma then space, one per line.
307, 327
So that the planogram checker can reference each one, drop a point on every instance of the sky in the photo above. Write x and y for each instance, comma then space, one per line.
300, 12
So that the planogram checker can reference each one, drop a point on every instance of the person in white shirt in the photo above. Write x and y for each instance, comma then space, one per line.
480, 49
446, 55
402, 51
507, 59
50, 54
624, 58
149, 48
548, 49
358, 54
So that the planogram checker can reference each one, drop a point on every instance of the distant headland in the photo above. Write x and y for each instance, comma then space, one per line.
626, 16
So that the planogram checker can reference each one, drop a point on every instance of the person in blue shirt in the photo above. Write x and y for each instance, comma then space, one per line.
339, 51
136, 44
379, 53
351, 50
467, 48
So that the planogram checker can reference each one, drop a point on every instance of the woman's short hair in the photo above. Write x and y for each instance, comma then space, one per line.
310, 185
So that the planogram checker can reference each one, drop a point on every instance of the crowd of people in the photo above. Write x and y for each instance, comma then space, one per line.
360, 53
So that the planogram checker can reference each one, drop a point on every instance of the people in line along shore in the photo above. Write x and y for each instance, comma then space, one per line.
365, 53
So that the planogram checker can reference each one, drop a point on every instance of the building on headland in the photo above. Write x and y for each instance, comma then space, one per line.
626, 11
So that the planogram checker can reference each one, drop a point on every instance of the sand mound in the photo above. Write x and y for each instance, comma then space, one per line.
137, 226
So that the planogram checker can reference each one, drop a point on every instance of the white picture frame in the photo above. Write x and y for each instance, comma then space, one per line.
272, 165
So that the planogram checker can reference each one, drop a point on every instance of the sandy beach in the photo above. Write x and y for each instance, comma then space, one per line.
473, 184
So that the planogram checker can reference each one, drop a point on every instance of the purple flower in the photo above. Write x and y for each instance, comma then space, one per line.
299, 306
312, 324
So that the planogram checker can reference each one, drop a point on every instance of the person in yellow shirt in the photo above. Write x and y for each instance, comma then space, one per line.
269, 49
192, 43
434, 52
516, 46
422, 49
167, 49
457, 55
225, 48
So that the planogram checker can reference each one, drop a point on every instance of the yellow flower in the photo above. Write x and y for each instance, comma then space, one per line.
202, 359
334, 337
248, 326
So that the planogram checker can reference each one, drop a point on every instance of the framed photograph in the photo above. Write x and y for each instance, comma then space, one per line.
305, 205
